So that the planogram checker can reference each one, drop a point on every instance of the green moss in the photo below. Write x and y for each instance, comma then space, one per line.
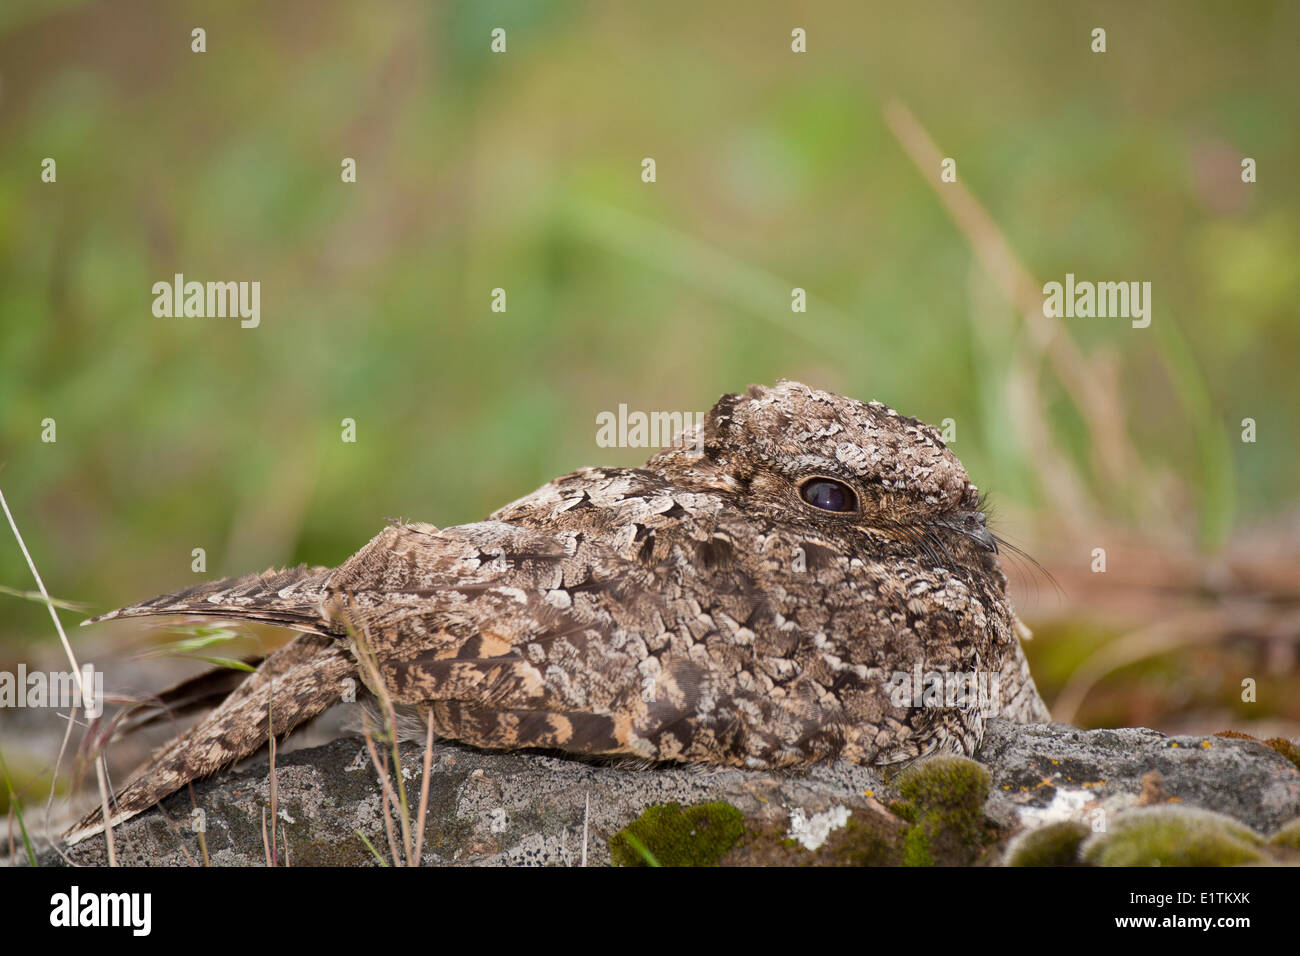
858, 843
948, 793
1288, 836
867, 838
916, 848
900, 808
673, 836
946, 781
1056, 844
1173, 836
939, 823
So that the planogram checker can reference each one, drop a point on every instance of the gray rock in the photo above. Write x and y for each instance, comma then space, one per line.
1048, 772
529, 808
484, 808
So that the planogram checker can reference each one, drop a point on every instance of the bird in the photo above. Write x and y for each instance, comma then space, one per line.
756, 595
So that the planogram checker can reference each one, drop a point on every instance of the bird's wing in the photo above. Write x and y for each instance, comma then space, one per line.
505, 631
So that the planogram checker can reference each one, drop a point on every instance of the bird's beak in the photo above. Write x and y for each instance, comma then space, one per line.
971, 525
984, 538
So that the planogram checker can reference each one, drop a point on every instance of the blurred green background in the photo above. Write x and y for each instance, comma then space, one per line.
774, 170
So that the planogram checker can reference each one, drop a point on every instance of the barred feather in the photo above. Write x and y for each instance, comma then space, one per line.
289, 598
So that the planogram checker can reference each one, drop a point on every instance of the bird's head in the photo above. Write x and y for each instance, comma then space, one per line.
837, 462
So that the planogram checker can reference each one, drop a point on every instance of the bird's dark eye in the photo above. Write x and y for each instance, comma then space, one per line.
829, 495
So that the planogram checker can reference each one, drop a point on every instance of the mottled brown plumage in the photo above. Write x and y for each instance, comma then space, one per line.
702, 608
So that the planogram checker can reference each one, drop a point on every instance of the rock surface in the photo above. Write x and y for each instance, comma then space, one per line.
532, 809
1049, 772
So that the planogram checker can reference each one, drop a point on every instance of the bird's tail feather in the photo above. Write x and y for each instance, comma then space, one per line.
307, 675
202, 692
288, 598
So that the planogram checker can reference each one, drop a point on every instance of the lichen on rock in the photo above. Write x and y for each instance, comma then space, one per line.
530, 808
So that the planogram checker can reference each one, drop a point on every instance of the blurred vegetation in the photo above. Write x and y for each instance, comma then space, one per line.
522, 171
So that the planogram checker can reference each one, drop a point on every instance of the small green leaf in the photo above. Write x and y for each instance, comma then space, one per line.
642, 850
371, 848
39, 598
226, 662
